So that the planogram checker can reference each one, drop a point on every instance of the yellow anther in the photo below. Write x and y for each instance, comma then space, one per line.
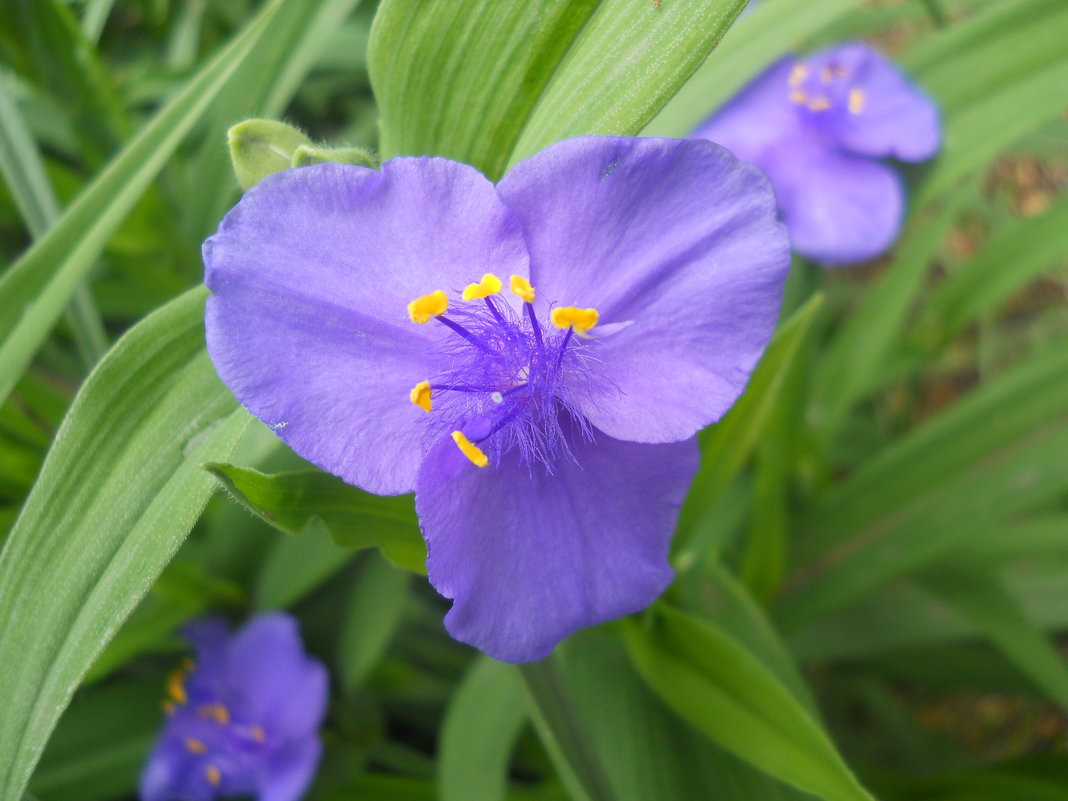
217, 712
195, 746
420, 395
489, 285
424, 307
257, 732
469, 449
856, 100
176, 686
819, 104
797, 75
799, 96
521, 286
214, 777
582, 320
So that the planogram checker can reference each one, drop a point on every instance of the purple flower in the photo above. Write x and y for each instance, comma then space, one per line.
413, 329
819, 127
244, 716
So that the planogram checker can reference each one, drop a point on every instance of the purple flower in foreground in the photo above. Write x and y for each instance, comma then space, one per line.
244, 716
412, 329
818, 127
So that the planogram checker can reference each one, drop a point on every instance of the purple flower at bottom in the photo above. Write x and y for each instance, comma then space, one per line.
243, 716
820, 127
413, 329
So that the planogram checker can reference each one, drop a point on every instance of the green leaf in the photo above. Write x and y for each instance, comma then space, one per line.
709, 679
297, 565
494, 81
354, 518
117, 495
481, 727
768, 32
372, 615
981, 597
562, 731
41, 283
727, 445
259, 148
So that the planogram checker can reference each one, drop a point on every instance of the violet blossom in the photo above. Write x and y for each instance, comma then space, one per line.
243, 716
821, 127
412, 329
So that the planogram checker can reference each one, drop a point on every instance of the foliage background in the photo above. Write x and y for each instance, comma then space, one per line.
873, 562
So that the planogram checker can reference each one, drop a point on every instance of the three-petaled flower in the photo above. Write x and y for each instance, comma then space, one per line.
243, 717
819, 127
532, 358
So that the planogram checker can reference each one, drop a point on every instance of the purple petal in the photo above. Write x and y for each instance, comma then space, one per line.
286, 690
311, 274
895, 118
677, 238
290, 771
839, 208
172, 772
210, 638
529, 558
757, 117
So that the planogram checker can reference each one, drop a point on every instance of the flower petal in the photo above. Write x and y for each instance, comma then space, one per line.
757, 117
290, 771
173, 772
311, 275
529, 557
892, 117
676, 237
286, 691
839, 208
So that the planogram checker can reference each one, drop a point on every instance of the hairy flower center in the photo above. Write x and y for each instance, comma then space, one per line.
829, 87
505, 377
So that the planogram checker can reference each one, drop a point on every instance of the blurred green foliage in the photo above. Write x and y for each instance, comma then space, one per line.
872, 565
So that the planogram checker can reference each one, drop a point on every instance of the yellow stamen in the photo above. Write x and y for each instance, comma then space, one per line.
258, 734
420, 396
856, 100
176, 686
214, 777
799, 96
489, 285
797, 75
469, 449
424, 307
819, 104
521, 286
582, 320
216, 712
195, 746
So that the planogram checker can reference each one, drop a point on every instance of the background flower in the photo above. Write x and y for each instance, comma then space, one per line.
244, 716
548, 465
820, 127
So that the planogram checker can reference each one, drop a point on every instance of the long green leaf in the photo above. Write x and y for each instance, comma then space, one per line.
708, 678
481, 726
117, 495
38, 286
494, 81
354, 518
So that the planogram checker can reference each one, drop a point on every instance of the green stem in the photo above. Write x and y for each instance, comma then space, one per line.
938, 16
561, 731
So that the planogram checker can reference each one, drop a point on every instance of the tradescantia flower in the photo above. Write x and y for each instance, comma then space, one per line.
243, 716
533, 358
820, 128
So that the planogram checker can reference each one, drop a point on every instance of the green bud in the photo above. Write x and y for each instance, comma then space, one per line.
259, 148
310, 154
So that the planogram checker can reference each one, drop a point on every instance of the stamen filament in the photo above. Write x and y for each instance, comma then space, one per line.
535, 326
494, 310
459, 329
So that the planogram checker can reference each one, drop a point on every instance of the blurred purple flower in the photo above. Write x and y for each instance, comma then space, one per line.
818, 127
243, 717
582, 419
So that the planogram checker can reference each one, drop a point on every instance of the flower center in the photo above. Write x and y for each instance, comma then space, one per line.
505, 376
827, 88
